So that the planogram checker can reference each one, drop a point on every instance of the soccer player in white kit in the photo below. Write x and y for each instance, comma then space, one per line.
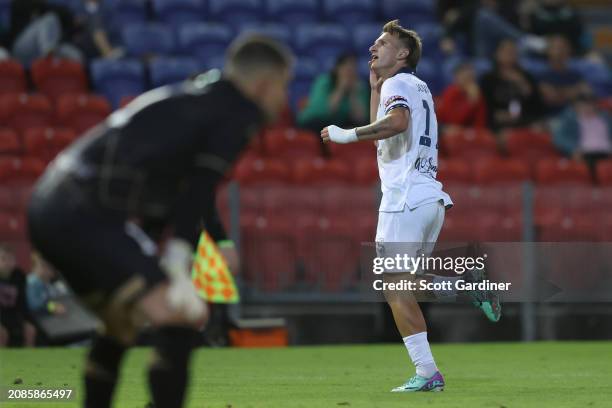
413, 203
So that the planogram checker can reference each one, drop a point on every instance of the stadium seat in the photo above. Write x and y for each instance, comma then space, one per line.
469, 144
353, 151
179, 12
289, 200
409, 12
293, 12
12, 77
204, 40
82, 112
364, 35
45, 143
320, 172
22, 111
329, 252
290, 144
123, 13
12, 226
55, 77
365, 171
116, 79
236, 12
502, 228
430, 34
349, 199
250, 172
147, 39
350, 12
429, 72
16, 171
9, 142
5, 13
572, 227
305, 71
279, 32
166, 71
604, 172
269, 251
454, 171
8, 199
322, 41
500, 171
530, 145
461, 227
561, 172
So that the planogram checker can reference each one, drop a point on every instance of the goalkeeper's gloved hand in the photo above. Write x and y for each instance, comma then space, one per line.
339, 135
182, 295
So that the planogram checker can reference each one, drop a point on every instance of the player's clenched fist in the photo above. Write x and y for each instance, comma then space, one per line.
336, 134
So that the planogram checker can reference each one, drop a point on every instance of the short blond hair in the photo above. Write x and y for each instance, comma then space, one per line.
409, 38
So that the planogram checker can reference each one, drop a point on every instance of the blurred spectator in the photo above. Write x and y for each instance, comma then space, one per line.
584, 132
14, 329
482, 24
560, 84
510, 92
462, 103
337, 97
40, 290
556, 17
39, 29
93, 38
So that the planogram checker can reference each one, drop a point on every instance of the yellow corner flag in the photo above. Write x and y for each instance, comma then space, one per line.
211, 276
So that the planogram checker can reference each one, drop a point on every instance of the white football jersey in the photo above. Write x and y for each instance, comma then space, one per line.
408, 161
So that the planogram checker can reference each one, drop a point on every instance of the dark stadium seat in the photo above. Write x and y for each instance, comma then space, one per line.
81, 112
293, 11
258, 171
430, 34
320, 172
123, 13
454, 171
116, 79
469, 144
604, 172
22, 111
9, 142
147, 39
349, 12
46, 142
561, 172
12, 77
498, 171
5, 13
204, 40
290, 144
428, 71
55, 77
530, 145
364, 35
278, 31
166, 71
179, 12
305, 71
321, 41
409, 12
236, 12
364, 171
353, 151
269, 251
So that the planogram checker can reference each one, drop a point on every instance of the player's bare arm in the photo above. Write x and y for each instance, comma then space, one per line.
389, 125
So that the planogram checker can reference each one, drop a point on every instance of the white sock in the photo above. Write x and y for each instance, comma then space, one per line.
445, 293
420, 353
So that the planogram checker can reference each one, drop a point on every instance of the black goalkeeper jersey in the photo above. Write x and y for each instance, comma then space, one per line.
161, 157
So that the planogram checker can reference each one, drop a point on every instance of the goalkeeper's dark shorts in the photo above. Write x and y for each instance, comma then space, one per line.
100, 254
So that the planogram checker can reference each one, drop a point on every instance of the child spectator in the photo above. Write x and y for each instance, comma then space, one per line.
462, 103
40, 291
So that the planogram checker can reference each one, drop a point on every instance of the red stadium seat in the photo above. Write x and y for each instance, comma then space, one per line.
572, 227
56, 77
353, 151
12, 77
562, 172
22, 111
343, 200
16, 171
82, 112
12, 226
9, 142
292, 199
291, 144
320, 172
461, 227
9, 199
604, 172
454, 171
46, 143
498, 171
530, 145
258, 171
469, 144
365, 171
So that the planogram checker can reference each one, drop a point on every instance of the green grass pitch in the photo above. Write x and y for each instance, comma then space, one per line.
478, 375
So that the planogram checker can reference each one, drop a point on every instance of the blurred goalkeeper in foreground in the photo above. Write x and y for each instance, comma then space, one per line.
150, 170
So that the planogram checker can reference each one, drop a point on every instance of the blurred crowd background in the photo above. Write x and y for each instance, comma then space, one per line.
523, 94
